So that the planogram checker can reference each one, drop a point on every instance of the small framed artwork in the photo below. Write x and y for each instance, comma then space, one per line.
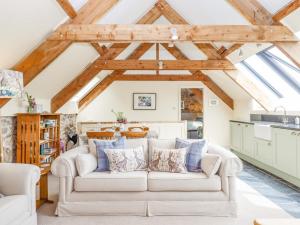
144, 101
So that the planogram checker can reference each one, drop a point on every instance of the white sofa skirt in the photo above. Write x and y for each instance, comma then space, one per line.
147, 208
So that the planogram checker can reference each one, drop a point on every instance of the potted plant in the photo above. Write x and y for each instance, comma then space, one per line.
31, 103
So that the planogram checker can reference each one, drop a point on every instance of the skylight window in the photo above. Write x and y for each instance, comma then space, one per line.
279, 76
85, 90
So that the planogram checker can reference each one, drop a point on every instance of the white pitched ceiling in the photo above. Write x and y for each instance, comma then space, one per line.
24, 24
274, 5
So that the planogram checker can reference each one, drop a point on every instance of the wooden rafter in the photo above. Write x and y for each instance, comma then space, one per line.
165, 65
48, 51
285, 11
175, 18
163, 33
68, 8
91, 71
230, 50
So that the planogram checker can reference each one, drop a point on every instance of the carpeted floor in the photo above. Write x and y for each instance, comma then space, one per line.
252, 204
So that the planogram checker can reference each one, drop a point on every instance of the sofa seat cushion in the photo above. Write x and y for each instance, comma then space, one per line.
164, 181
12, 208
107, 181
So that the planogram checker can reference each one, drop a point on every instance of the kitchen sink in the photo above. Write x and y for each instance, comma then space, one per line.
263, 131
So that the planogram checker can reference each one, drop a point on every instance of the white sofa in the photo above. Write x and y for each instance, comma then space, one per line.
146, 193
18, 185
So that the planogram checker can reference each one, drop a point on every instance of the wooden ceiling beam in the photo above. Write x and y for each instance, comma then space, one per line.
91, 71
68, 8
166, 65
230, 50
175, 18
163, 33
253, 11
285, 11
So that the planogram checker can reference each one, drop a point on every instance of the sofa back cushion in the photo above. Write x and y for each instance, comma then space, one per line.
210, 164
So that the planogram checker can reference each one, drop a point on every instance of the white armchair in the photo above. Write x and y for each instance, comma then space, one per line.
18, 185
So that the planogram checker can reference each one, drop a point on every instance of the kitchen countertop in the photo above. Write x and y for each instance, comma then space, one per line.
272, 124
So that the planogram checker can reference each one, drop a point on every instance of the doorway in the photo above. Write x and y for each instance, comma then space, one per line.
192, 111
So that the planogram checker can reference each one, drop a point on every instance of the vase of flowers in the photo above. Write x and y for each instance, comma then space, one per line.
121, 119
31, 103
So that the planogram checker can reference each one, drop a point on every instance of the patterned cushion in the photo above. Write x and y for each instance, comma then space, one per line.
102, 159
126, 160
195, 151
168, 160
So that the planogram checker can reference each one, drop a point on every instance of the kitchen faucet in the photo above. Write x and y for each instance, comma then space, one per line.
285, 119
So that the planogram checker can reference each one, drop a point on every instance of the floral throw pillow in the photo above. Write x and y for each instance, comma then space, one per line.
126, 160
168, 160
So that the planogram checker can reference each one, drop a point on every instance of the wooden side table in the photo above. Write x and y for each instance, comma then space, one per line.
277, 222
43, 189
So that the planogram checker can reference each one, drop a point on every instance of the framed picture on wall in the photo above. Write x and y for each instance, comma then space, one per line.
144, 101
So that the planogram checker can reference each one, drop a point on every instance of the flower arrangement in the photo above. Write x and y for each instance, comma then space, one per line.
31, 103
120, 117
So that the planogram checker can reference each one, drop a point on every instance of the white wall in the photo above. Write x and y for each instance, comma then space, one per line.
119, 97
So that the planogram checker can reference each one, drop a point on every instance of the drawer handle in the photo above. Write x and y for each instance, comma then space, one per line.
246, 125
239, 124
293, 133
269, 143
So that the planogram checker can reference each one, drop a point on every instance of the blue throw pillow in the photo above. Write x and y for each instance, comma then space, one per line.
102, 160
194, 154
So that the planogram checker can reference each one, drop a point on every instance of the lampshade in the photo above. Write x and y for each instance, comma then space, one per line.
11, 83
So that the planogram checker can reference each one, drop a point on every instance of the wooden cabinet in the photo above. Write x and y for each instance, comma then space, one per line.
264, 151
286, 150
236, 136
38, 143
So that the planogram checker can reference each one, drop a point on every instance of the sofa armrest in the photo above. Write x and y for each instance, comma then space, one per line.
231, 165
64, 165
20, 179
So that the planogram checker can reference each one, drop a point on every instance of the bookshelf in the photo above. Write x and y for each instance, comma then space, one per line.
38, 143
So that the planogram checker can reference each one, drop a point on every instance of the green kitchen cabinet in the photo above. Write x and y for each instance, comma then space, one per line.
286, 151
236, 136
248, 140
264, 151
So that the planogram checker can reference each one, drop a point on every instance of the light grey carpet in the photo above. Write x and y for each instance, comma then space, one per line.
251, 205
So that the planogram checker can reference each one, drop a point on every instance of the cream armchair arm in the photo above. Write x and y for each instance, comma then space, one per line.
64, 165
19, 179
231, 165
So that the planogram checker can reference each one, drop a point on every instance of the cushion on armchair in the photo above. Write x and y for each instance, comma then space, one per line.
85, 163
210, 164
195, 151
